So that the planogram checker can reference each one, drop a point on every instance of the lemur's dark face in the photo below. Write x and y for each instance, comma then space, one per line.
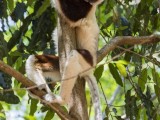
75, 10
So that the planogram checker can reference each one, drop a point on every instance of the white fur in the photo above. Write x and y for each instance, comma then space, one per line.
74, 66
54, 76
38, 76
87, 37
55, 39
53, 3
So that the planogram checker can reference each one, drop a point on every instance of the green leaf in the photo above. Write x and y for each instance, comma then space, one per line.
107, 111
45, 5
3, 47
142, 79
10, 5
122, 69
3, 8
131, 107
18, 63
29, 117
9, 97
30, 2
18, 13
115, 74
98, 72
127, 101
22, 92
122, 62
2, 116
157, 91
44, 108
1, 107
158, 117
15, 53
49, 115
143, 114
123, 27
106, 118
33, 107
156, 77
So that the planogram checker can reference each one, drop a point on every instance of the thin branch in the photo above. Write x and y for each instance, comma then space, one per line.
114, 96
126, 40
28, 83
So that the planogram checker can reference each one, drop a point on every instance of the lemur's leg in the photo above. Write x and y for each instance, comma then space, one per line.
76, 65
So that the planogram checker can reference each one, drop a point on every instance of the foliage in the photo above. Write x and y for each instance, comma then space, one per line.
26, 28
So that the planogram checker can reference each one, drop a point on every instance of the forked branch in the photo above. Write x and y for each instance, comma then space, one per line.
126, 40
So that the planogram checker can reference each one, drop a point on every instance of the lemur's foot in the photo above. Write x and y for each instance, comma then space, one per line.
53, 99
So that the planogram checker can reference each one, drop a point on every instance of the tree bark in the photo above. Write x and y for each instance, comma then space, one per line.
126, 40
67, 42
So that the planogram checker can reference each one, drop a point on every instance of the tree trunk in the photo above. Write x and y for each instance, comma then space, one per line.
67, 42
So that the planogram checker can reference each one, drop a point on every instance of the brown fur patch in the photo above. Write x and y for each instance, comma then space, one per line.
86, 55
47, 62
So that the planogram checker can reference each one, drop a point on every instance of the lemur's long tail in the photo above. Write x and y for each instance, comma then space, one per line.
29, 66
95, 95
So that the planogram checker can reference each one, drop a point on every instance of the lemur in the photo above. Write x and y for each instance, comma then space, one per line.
79, 14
